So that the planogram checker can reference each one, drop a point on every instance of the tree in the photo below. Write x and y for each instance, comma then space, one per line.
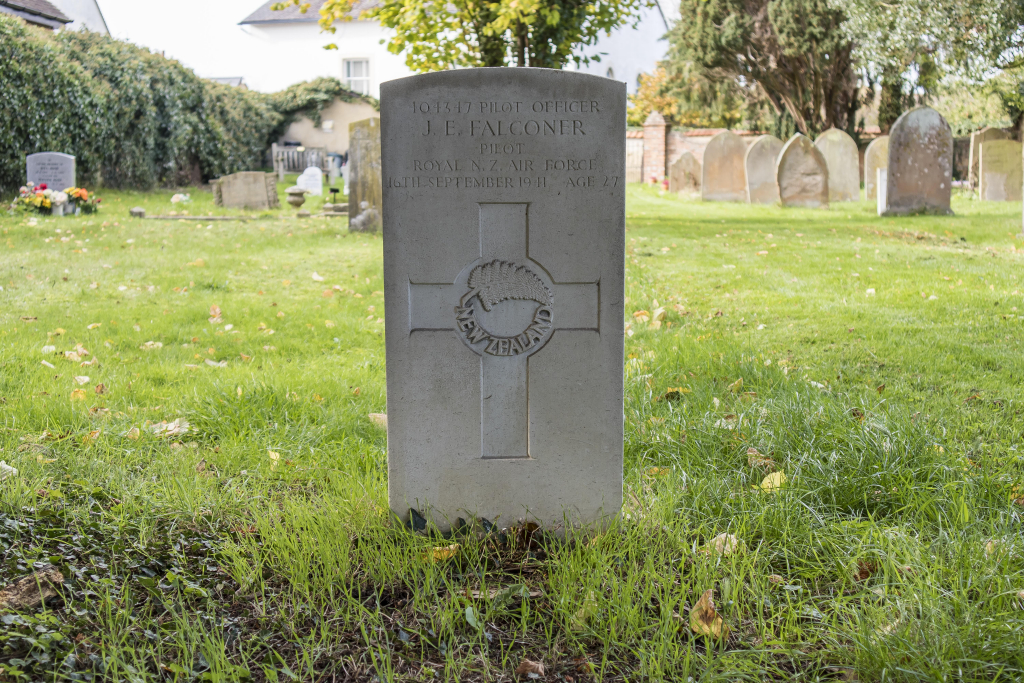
793, 52
684, 98
908, 44
445, 34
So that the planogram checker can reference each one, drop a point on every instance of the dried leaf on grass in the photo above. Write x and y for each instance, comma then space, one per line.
440, 553
379, 419
530, 669
30, 591
726, 544
773, 482
6, 470
758, 460
705, 620
78, 395
175, 428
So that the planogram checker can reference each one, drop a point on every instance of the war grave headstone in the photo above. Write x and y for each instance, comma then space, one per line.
364, 175
54, 169
684, 174
723, 177
802, 174
876, 156
843, 161
974, 156
762, 186
504, 244
1000, 172
246, 190
312, 181
920, 173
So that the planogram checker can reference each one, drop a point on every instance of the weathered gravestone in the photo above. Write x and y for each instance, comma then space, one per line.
843, 161
802, 174
974, 156
920, 174
55, 170
364, 175
312, 181
762, 186
1000, 173
246, 190
876, 156
723, 178
684, 174
504, 218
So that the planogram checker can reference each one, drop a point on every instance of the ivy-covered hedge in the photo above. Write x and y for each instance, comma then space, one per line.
133, 118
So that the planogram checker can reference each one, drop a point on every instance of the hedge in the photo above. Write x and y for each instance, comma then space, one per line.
134, 119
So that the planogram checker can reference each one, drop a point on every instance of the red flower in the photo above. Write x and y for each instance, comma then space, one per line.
42, 186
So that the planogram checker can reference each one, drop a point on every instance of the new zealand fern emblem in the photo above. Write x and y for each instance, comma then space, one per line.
499, 281
496, 281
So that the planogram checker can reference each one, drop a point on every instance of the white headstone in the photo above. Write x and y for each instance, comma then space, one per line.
54, 169
881, 183
312, 180
504, 218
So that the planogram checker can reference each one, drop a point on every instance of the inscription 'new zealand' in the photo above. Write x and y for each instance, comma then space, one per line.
491, 284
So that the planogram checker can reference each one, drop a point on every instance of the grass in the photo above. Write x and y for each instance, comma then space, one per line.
258, 546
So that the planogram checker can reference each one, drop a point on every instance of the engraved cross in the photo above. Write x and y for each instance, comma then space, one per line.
507, 328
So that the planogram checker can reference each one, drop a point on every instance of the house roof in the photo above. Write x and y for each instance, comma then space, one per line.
292, 15
35, 11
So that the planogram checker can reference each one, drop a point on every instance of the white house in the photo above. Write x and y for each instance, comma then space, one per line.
294, 48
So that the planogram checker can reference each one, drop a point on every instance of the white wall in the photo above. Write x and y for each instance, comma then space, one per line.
289, 53
86, 14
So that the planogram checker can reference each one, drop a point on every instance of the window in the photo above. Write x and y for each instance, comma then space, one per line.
357, 75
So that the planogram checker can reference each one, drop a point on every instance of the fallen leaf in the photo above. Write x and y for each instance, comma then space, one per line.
49, 365
133, 433
775, 578
317, 277
439, 553
773, 482
704, 620
82, 379
736, 386
78, 395
864, 569
530, 669
215, 364
175, 428
658, 471
585, 612
93, 326
379, 419
7, 471
726, 544
880, 388
101, 389
756, 459
151, 345
274, 458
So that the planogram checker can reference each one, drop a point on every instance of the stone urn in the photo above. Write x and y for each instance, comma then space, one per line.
296, 196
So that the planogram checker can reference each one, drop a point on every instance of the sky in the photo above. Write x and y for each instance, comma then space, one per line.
204, 35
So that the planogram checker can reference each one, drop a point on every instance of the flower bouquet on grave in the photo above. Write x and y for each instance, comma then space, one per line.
82, 201
33, 198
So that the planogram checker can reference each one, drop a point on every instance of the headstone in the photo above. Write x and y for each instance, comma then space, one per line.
684, 174
999, 172
504, 219
875, 157
843, 161
312, 181
723, 178
246, 190
802, 174
364, 179
974, 158
881, 183
920, 173
762, 186
55, 170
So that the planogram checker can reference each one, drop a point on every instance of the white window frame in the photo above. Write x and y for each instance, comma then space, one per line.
354, 83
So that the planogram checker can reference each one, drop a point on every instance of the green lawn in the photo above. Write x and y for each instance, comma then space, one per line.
880, 361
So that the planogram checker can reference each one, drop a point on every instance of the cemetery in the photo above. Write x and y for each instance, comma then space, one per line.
512, 374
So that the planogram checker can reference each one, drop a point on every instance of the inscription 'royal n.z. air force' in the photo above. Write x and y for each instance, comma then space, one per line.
492, 283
